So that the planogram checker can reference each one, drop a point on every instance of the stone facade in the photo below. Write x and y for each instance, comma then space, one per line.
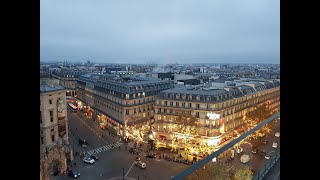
51, 161
54, 140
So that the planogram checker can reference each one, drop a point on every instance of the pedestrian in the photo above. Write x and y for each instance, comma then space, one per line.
119, 148
163, 155
75, 164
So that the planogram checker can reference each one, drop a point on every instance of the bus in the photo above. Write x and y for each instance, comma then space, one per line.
72, 107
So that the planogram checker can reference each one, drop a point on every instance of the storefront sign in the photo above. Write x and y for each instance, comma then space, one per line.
213, 116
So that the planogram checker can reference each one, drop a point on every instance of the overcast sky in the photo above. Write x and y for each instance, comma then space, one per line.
162, 31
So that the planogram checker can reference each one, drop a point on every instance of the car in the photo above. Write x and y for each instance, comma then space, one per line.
254, 151
265, 141
277, 134
88, 160
267, 156
274, 145
138, 159
151, 155
74, 173
134, 151
140, 164
95, 157
83, 143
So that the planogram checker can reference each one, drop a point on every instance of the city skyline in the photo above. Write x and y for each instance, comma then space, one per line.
165, 32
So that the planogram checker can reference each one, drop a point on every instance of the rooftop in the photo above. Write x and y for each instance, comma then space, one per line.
47, 88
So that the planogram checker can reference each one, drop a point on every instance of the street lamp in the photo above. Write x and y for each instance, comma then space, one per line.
122, 173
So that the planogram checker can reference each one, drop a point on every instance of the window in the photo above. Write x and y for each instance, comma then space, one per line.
177, 104
127, 111
40, 118
190, 105
171, 103
135, 110
171, 111
138, 94
190, 97
41, 140
127, 96
183, 104
52, 138
165, 110
183, 96
52, 129
134, 95
208, 98
208, 106
143, 94
177, 96
50, 101
197, 114
159, 117
198, 106
166, 103
51, 115
198, 98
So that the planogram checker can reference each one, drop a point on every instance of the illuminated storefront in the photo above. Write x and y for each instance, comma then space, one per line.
201, 121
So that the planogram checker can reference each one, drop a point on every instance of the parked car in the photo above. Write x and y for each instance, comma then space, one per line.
274, 145
88, 160
138, 159
95, 157
151, 155
134, 151
83, 143
140, 164
74, 173
254, 151
267, 156
277, 134
244, 158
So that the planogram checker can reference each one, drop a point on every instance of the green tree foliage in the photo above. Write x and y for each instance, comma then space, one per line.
243, 172
212, 171
259, 114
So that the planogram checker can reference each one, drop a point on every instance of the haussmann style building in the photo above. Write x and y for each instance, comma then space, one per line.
120, 102
54, 144
216, 113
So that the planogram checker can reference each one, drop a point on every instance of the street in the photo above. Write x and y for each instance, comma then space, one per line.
115, 160
114, 163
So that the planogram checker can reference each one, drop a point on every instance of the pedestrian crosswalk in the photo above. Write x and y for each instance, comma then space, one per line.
103, 148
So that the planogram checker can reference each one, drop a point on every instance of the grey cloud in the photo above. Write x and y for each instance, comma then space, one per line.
133, 31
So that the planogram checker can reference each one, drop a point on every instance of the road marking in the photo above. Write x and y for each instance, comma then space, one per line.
91, 128
129, 169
